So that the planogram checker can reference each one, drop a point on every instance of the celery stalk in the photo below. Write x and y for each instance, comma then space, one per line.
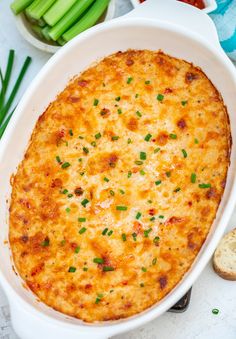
88, 20
70, 18
38, 31
38, 8
45, 31
18, 6
57, 11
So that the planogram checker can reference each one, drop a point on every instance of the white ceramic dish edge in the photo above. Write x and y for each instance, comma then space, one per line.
42, 321
211, 5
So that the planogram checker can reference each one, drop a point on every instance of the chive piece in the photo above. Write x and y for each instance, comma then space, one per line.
123, 236
115, 137
65, 165
85, 269
193, 178
117, 98
70, 195
147, 82
138, 162
129, 141
148, 137
77, 249
108, 268
72, 269
138, 215
134, 235
196, 141
109, 233
152, 218
177, 189
129, 174
156, 239
69, 18
98, 135
65, 191
95, 102
157, 150
146, 232
158, 182
19, 5
88, 19
68, 210
63, 242
149, 201
160, 97
45, 243
142, 285
215, 311
82, 219
185, 154
129, 80
80, 159
154, 261
136, 95
121, 191
58, 159
93, 143
121, 208
142, 172
82, 230
98, 260
104, 232
106, 179
184, 102
119, 111
143, 156
204, 185
161, 217
84, 202
139, 114
71, 132
144, 269
80, 137
112, 193
97, 300
168, 174
173, 136
85, 150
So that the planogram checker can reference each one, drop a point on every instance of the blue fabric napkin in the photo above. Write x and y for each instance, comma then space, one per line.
224, 18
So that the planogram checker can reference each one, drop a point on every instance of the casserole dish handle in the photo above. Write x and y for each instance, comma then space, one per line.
181, 14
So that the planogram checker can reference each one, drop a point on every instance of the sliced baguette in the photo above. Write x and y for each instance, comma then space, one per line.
224, 259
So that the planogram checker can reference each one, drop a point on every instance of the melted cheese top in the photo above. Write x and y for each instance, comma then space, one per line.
119, 185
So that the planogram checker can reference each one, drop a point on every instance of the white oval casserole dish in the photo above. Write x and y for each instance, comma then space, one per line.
171, 26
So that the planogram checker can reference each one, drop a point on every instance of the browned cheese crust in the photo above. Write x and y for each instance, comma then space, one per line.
119, 185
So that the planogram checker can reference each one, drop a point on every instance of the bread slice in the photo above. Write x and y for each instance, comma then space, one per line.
224, 259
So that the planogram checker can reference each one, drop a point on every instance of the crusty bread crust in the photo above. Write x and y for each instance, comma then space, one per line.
224, 255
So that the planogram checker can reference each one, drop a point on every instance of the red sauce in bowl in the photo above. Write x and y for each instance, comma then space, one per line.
197, 3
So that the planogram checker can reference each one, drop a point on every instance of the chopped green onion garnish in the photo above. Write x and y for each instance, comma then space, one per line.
146, 232
85, 150
68, 210
193, 178
58, 159
72, 269
65, 191
144, 269
65, 165
196, 141
71, 132
95, 103
121, 191
121, 208
154, 261
123, 236
82, 230
70, 195
139, 114
204, 185
115, 137
173, 136
157, 150
81, 219
134, 235
80, 159
156, 239
97, 300
108, 268
148, 137
84, 202
143, 156
138, 215
149, 201
158, 182
142, 172
80, 137
129, 141
152, 218
109, 233
160, 97
129, 174
45, 243
161, 217
147, 82
63, 242
184, 153
106, 179
85, 269
138, 162
119, 111
112, 193
215, 311
98, 136
129, 80
184, 102
136, 95
104, 232
77, 249
177, 189
93, 143
117, 98
98, 260
168, 174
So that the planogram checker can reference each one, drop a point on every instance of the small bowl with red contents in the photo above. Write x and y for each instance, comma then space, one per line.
207, 6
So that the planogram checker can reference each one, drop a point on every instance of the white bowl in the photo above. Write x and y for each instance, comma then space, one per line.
210, 5
28, 34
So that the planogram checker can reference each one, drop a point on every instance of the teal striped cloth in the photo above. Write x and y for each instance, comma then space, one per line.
224, 18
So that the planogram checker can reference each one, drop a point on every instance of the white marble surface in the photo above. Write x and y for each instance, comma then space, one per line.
209, 291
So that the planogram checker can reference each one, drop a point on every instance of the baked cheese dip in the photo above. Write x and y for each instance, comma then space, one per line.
120, 185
